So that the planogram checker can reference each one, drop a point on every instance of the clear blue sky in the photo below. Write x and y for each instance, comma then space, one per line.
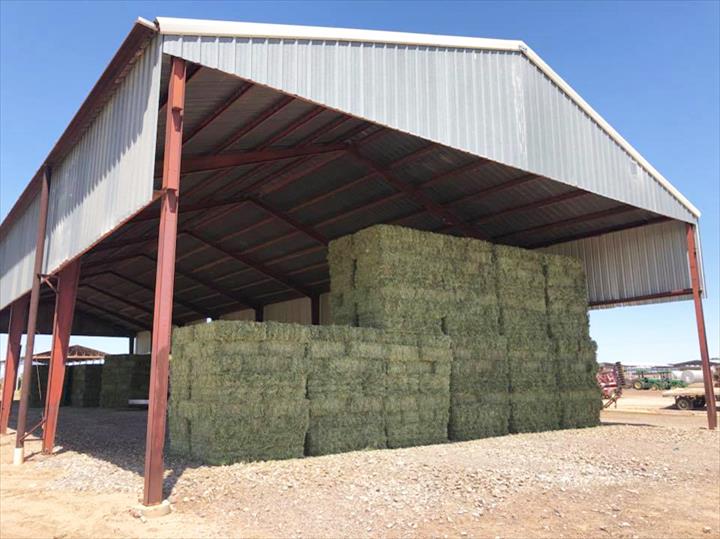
651, 69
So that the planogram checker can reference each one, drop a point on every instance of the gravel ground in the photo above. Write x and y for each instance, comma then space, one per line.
437, 490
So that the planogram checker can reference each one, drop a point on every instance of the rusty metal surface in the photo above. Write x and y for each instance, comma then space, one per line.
64, 309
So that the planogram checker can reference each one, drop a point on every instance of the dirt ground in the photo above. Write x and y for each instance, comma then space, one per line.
659, 478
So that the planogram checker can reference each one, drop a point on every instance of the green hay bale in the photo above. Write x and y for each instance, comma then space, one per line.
327, 435
474, 416
228, 331
534, 411
564, 271
580, 408
86, 383
124, 377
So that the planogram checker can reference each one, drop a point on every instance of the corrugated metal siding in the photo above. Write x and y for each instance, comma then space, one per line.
17, 255
108, 175
495, 104
295, 311
631, 263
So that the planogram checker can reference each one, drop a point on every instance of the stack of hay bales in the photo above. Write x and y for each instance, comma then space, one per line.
124, 377
86, 384
417, 392
238, 391
404, 280
575, 352
248, 391
521, 295
345, 389
480, 388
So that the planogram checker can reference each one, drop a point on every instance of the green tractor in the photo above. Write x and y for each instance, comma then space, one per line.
658, 381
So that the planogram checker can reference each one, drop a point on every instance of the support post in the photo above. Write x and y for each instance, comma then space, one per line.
315, 310
700, 319
259, 314
131, 345
62, 326
18, 318
19, 454
164, 282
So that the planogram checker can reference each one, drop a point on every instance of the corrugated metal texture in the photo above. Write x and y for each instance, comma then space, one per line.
632, 263
108, 175
496, 104
17, 255
295, 311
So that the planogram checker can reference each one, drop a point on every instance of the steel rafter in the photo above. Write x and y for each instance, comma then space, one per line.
617, 210
255, 265
419, 197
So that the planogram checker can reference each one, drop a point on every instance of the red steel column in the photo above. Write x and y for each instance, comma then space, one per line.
18, 318
62, 326
19, 455
164, 281
700, 318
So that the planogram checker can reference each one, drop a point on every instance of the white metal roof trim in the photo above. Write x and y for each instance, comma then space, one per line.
232, 29
478, 101
632, 263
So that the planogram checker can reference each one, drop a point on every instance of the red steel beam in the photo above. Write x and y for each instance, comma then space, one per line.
257, 266
19, 454
164, 282
283, 216
256, 121
617, 210
192, 70
205, 163
530, 206
600, 232
114, 314
137, 306
62, 326
186, 304
495, 189
18, 318
448, 216
700, 320
210, 118
647, 297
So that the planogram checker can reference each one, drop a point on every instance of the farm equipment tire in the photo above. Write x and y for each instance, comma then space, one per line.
638, 385
655, 387
685, 403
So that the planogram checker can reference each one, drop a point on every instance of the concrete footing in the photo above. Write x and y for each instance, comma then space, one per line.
155, 511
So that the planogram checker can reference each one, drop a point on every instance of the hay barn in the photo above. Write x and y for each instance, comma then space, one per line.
213, 163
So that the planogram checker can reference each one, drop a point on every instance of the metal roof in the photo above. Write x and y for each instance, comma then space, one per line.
295, 137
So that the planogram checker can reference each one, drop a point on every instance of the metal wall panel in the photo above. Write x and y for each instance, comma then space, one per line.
632, 263
17, 255
295, 311
108, 175
495, 104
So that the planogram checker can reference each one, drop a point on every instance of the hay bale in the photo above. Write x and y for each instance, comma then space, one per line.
124, 377
86, 384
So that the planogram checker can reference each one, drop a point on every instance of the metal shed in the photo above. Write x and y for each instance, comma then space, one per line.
213, 161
